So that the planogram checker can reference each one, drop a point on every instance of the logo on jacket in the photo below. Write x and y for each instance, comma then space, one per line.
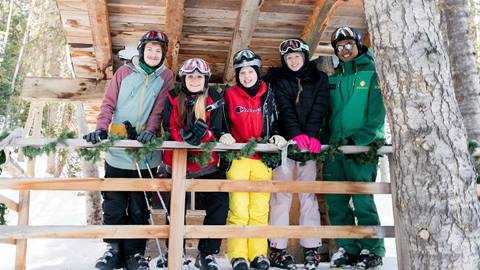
241, 109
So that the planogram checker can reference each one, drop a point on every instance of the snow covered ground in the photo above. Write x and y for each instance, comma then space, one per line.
68, 208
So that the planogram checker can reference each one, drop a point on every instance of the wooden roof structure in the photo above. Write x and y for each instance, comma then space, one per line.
96, 30
212, 29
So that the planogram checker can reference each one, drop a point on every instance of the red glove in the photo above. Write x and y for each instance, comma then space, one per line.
315, 145
302, 141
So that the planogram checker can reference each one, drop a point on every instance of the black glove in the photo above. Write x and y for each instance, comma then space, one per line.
189, 137
146, 137
96, 136
200, 129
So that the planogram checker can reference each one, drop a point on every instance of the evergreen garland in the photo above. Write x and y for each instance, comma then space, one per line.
3, 212
204, 157
369, 157
93, 154
247, 151
3, 157
147, 149
472, 146
33, 151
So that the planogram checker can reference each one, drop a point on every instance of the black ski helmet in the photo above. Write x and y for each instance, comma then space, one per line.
344, 33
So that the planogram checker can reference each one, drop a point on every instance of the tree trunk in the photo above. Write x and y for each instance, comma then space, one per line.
7, 31
434, 190
455, 14
93, 199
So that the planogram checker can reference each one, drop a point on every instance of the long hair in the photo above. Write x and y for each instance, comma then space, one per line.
198, 108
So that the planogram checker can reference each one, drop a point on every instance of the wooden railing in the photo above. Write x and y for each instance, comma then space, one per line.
178, 185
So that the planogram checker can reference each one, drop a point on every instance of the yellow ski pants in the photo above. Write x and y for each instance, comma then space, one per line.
248, 208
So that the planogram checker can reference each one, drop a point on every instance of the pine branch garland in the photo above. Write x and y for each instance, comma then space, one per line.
3, 212
93, 154
369, 157
33, 151
472, 146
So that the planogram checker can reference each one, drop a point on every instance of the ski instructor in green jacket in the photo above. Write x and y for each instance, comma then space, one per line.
358, 117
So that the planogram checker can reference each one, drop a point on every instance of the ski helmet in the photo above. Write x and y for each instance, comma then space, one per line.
246, 58
294, 45
195, 66
153, 36
344, 33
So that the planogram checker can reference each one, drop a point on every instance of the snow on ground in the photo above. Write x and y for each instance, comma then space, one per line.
68, 208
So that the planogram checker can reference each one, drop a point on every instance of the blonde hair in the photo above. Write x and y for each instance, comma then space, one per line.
198, 108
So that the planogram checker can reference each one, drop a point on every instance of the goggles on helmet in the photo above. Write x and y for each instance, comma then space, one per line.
155, 36
195, 66
295, 45
246, 58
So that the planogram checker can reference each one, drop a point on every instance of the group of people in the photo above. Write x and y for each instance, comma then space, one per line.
293, 102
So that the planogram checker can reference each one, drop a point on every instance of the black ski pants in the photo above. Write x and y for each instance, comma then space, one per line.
125, 208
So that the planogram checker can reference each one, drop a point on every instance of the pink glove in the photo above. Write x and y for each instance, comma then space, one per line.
302, 141
315, 145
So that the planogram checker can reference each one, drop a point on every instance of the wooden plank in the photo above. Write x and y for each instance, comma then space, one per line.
12, 205
320, 19
215, 231
90, 184
191, 231
177, 209
67, 89
173, 29
23, 215
8, 241
298, 186
246, 22
347, 149
261, 147
311, 33
100, 27
84, 231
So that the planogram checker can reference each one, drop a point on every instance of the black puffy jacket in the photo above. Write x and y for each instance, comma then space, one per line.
304, 113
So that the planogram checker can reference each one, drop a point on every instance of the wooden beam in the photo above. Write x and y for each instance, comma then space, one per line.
23, 216
84, 232
242, 35
173, 29
8, 241
9, 233
62, 89
102, 42
298, 186
177, 209
90, 184
9, 203
199, 231
320, 19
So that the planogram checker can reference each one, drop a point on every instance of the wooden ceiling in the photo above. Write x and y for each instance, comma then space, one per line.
212, 29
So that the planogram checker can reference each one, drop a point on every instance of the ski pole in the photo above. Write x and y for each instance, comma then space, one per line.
160, 257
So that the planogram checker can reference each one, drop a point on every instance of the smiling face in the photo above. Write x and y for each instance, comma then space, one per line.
247, 76
295, 61
346, 50
152, 54
195, 83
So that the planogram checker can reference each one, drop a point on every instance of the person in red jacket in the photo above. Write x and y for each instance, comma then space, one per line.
193, 114
250, 113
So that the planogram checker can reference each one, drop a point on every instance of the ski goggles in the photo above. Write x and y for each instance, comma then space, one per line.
343, 31
155, 36
246, 58
195, 65
347, 46
295, 45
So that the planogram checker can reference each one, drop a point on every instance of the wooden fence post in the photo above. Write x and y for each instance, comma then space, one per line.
177, 210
